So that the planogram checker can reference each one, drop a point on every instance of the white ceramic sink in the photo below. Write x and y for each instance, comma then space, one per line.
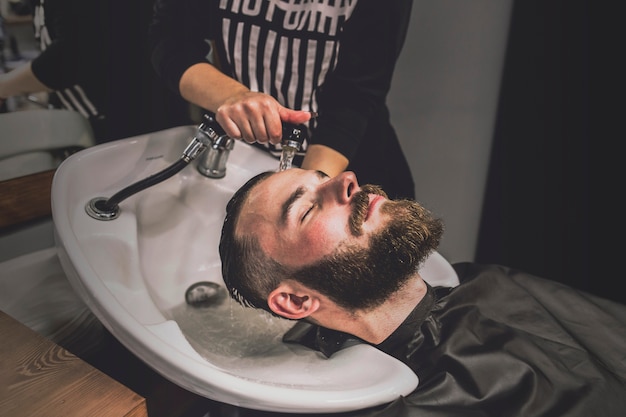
133, 272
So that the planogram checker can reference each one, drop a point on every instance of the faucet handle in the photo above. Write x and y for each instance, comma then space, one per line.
211, 127
293, 136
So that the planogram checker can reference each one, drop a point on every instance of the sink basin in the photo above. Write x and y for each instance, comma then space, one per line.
133, 272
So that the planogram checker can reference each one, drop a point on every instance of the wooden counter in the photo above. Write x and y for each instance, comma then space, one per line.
40, 378
25, 199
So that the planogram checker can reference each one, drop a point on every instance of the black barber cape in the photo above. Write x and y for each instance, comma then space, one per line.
505, 343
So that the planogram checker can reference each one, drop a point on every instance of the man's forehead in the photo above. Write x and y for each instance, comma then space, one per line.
263, 193
279, 186
266, 201
262, 201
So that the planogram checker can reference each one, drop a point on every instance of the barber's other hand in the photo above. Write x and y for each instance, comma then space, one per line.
256, 117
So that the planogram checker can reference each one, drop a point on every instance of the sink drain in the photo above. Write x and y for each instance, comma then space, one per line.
98, 209
205, 294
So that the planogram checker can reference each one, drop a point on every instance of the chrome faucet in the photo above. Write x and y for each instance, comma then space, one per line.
212, 162
210, 137
218, 144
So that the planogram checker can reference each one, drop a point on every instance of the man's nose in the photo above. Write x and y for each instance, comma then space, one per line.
342, 187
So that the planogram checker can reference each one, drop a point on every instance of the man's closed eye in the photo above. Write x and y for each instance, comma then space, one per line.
307, 212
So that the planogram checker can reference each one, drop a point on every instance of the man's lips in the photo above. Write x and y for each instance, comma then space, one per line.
375, 200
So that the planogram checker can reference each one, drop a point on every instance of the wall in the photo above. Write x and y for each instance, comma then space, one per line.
443, 104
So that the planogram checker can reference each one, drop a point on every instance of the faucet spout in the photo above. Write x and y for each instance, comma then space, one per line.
212, 163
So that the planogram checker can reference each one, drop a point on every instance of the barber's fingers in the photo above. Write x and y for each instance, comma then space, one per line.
256, 129
257, 117
295, 117
254, 117
267, 126
262, 127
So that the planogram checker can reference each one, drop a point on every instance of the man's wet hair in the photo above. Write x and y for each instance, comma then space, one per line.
249, 274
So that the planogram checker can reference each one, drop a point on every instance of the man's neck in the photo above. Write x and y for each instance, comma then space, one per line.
374, 326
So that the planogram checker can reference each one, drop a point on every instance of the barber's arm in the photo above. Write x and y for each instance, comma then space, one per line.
20, 81
179, 49
242, 113
60, 64
358, 87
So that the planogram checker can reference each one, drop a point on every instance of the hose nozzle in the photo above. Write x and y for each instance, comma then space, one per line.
293, 137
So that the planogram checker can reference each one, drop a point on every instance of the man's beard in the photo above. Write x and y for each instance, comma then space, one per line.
363, 278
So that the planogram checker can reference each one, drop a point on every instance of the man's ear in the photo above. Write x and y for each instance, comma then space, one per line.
293, 301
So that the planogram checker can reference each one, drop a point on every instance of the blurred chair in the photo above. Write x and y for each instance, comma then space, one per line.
33, 286
38, 140
32, 144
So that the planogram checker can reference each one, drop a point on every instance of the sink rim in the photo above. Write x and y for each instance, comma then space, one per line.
168, 360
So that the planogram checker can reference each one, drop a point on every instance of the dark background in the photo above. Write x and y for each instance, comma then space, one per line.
538, 207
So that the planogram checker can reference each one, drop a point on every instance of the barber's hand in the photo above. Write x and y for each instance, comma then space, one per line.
256, 117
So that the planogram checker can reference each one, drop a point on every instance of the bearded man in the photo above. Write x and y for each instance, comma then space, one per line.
345, 260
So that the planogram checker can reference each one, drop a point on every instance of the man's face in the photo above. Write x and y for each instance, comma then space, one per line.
347, 242
300, 216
